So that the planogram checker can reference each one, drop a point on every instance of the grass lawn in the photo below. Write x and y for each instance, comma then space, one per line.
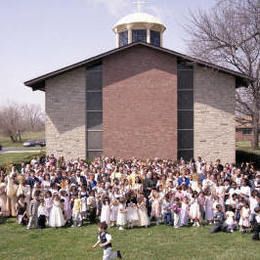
6, 141
158, 242
16, 158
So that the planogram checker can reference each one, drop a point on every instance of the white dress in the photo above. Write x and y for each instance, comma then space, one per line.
143, 216
56, 216
195, 210
230, 218
244, 218
114, 213
209, 208
121, 216
184, 214
132, 213
105, 214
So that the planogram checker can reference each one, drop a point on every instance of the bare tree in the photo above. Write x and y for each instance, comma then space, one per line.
15, 119
33, 117
229, 34
11, 122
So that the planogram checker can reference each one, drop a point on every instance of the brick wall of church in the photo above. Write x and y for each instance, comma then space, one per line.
65, 114
214, 115
140, 104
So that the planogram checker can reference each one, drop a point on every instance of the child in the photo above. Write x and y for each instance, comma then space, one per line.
76, 210
218, 219
121, 216
48, 204
156, 206
104, 241
176, 209
244, 218
105, 211
83, 206
33, 211
256, 223
92, 207
209, 208
56, 216
42, 214
66, 205
132, 213
113, 212
230, 220
21, 208
166, 210
195, 213
184, 212
142, 212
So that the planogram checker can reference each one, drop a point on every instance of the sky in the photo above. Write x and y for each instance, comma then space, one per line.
39, 36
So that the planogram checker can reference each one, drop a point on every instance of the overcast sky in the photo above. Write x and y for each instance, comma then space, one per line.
39, 36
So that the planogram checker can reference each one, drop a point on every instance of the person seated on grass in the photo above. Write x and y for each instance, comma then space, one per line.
256, 224
230, 223
219, 218
104, 241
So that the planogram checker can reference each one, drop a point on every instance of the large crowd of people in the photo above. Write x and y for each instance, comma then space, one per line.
132, 193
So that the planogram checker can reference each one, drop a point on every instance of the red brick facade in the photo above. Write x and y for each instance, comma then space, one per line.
140, 104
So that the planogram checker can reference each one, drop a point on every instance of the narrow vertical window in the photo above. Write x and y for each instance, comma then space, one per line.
185, 111
94, 112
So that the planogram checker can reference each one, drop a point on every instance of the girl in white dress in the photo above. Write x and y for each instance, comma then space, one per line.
132, 212
142, 212
48, 204
121, 216
56, 216
113, 212
209, 208
230, 220
184, 218
195, 214
156, 206
244, 223
105, 211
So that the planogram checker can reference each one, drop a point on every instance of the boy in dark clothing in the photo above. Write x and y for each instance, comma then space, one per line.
256, 224
219, 218
104, 241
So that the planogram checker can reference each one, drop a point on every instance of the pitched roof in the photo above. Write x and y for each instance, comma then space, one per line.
39, 82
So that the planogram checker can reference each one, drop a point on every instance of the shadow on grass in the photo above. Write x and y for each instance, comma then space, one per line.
247, 156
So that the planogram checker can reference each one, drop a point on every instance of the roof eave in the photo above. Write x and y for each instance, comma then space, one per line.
39, 82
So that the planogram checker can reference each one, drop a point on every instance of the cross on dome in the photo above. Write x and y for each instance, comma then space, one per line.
139, 5
139, 26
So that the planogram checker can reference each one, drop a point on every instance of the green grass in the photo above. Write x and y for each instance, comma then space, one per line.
5, 141
158, 242
16, 158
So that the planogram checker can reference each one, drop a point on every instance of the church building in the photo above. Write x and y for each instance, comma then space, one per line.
141, 100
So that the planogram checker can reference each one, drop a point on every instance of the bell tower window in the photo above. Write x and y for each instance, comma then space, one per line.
139, 35
155, 38
123, 38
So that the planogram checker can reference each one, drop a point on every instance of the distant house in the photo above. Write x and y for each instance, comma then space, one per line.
244, 130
